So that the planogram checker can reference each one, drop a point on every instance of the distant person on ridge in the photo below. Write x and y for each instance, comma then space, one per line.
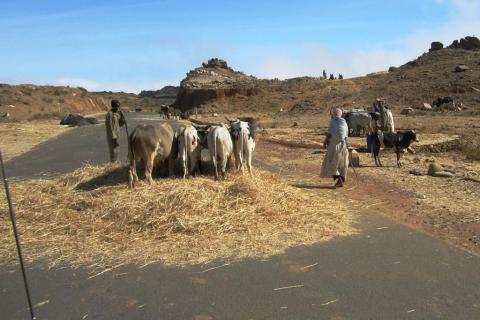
335, 163
113, 121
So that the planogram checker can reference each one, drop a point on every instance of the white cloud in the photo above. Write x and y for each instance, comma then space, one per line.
463, 20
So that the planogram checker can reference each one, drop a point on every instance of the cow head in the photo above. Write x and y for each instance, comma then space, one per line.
410, 136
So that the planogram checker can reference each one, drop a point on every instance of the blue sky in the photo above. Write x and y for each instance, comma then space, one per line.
134, 45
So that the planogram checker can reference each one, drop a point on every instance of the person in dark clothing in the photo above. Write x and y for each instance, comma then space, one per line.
113, 121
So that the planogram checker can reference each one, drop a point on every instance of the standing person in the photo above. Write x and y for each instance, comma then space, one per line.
113, 121
335, 163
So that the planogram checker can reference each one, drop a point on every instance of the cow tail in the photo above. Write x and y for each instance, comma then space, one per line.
215, 152
242, 142
186, 152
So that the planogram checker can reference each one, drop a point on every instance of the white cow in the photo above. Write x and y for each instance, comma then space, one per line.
220, 147
189, 149
243, 143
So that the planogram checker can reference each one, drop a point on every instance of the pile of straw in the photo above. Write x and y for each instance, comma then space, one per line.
90, 218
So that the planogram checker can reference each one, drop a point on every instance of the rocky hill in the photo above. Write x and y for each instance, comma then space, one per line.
212, 81
453, 71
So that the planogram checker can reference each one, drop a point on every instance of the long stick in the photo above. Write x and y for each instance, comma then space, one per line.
17, 240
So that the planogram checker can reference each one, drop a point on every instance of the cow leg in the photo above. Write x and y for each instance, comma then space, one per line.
200, 170
149, 168
132, 174
171, 166
215, 166
249, 163
397, 150
224, 167
242, 167
184, 163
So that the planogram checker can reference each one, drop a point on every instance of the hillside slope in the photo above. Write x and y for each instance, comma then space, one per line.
30, 102
431, 75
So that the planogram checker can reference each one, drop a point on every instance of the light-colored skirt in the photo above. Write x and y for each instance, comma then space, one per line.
335, 161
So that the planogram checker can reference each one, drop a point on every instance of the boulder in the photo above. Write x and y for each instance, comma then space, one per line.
215, 63
461, 68
441, 102
354, 158
76, 119
407, 111
435, 46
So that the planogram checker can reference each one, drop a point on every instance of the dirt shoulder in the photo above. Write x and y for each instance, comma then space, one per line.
446, 208
20, 137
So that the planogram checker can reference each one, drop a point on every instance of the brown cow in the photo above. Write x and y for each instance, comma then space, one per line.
154, 144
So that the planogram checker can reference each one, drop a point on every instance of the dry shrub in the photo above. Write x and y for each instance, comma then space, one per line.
90, 218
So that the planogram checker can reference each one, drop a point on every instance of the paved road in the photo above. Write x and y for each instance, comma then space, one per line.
71, 150
388, 271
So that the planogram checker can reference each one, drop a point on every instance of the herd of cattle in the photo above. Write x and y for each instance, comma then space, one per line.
164, 143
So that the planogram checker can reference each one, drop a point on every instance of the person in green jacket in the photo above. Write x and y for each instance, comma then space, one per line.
113, 121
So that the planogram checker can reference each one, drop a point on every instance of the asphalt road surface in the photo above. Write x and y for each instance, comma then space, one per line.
387, 271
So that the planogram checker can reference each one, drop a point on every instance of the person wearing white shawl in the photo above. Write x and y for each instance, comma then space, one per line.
335, 163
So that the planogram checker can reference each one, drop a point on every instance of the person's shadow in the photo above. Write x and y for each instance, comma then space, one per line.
313, 186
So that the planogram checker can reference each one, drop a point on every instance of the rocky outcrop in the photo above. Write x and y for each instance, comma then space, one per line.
213, 80
435, 46
467, 43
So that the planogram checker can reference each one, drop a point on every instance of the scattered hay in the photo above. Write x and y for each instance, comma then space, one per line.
90, 218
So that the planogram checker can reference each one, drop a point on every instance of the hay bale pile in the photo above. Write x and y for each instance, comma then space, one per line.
90, 218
